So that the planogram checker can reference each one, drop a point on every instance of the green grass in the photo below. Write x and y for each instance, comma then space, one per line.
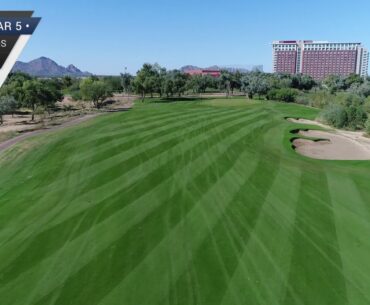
198, 202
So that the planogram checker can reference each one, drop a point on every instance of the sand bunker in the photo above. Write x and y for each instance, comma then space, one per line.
308, 122
333, 144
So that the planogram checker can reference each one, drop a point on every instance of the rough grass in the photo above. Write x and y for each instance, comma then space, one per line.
183, 203
7, 135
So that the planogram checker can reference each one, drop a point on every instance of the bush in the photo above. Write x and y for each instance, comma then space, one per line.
303, 99
367, 105
76, 95
348, 99
302, 82
320, 99
367, 125
356, 117
287, 95
339, 116
335, 115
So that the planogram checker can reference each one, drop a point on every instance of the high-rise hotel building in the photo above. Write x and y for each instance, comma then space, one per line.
319, 58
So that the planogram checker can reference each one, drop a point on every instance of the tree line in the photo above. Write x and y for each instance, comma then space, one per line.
345, 101
155, 80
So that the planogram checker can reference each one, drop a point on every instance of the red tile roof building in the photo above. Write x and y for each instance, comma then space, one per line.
211, 72
319, 59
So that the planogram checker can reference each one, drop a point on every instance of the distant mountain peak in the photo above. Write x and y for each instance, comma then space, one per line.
44, 58
241, 68
189, 68
46, 67
73, 69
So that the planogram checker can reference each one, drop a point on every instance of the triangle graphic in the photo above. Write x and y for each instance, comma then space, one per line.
12, 57
15, 42
11, 40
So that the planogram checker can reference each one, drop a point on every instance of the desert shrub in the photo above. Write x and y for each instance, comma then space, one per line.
302, 82
76, 95
367, 126
334, 83
340, 116
74, 90
320, 99
362, 89
303, 99
287, 95
356, 117
335, 115
367, 104
348, 99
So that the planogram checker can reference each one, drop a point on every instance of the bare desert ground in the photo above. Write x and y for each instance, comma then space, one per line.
18, 127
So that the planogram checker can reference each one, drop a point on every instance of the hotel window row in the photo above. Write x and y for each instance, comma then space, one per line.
320, 59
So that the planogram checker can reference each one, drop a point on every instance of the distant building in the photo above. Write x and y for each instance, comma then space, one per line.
319, 59
211, 72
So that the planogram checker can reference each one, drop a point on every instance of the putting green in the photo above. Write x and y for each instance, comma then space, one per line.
182, 203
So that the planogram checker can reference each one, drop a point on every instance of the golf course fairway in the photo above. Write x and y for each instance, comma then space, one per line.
187, 202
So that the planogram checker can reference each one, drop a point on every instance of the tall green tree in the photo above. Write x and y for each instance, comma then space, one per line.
96, 91
126, 82
7, 105
352, 79
255, 83
146, 80
199, 83
236, 81
36, 93
67, 81
334, 83
168, 85
179, 82
14, 85
302, 82
225, 82
114, 82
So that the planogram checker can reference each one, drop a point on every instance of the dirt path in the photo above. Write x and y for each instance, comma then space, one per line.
335, 144
26, 135
6, 144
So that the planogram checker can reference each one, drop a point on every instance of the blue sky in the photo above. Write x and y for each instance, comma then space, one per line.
105, 36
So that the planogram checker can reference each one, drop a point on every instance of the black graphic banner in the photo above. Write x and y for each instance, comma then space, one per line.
13, 25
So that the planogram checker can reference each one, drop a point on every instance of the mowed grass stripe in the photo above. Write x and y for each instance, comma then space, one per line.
266, 217
200, 149
124, 127
148, 235
218, 255
351, 219
50, 177
120, 221
138, 175
123, 136
197, 224
179, 206
161, 144
107, 157
75, 134
63, 225
220, 252
263, 266
132, 163
316, 266
134, 121
61, 161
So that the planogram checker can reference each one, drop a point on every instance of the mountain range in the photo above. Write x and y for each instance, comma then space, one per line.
243, 69
45, 67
